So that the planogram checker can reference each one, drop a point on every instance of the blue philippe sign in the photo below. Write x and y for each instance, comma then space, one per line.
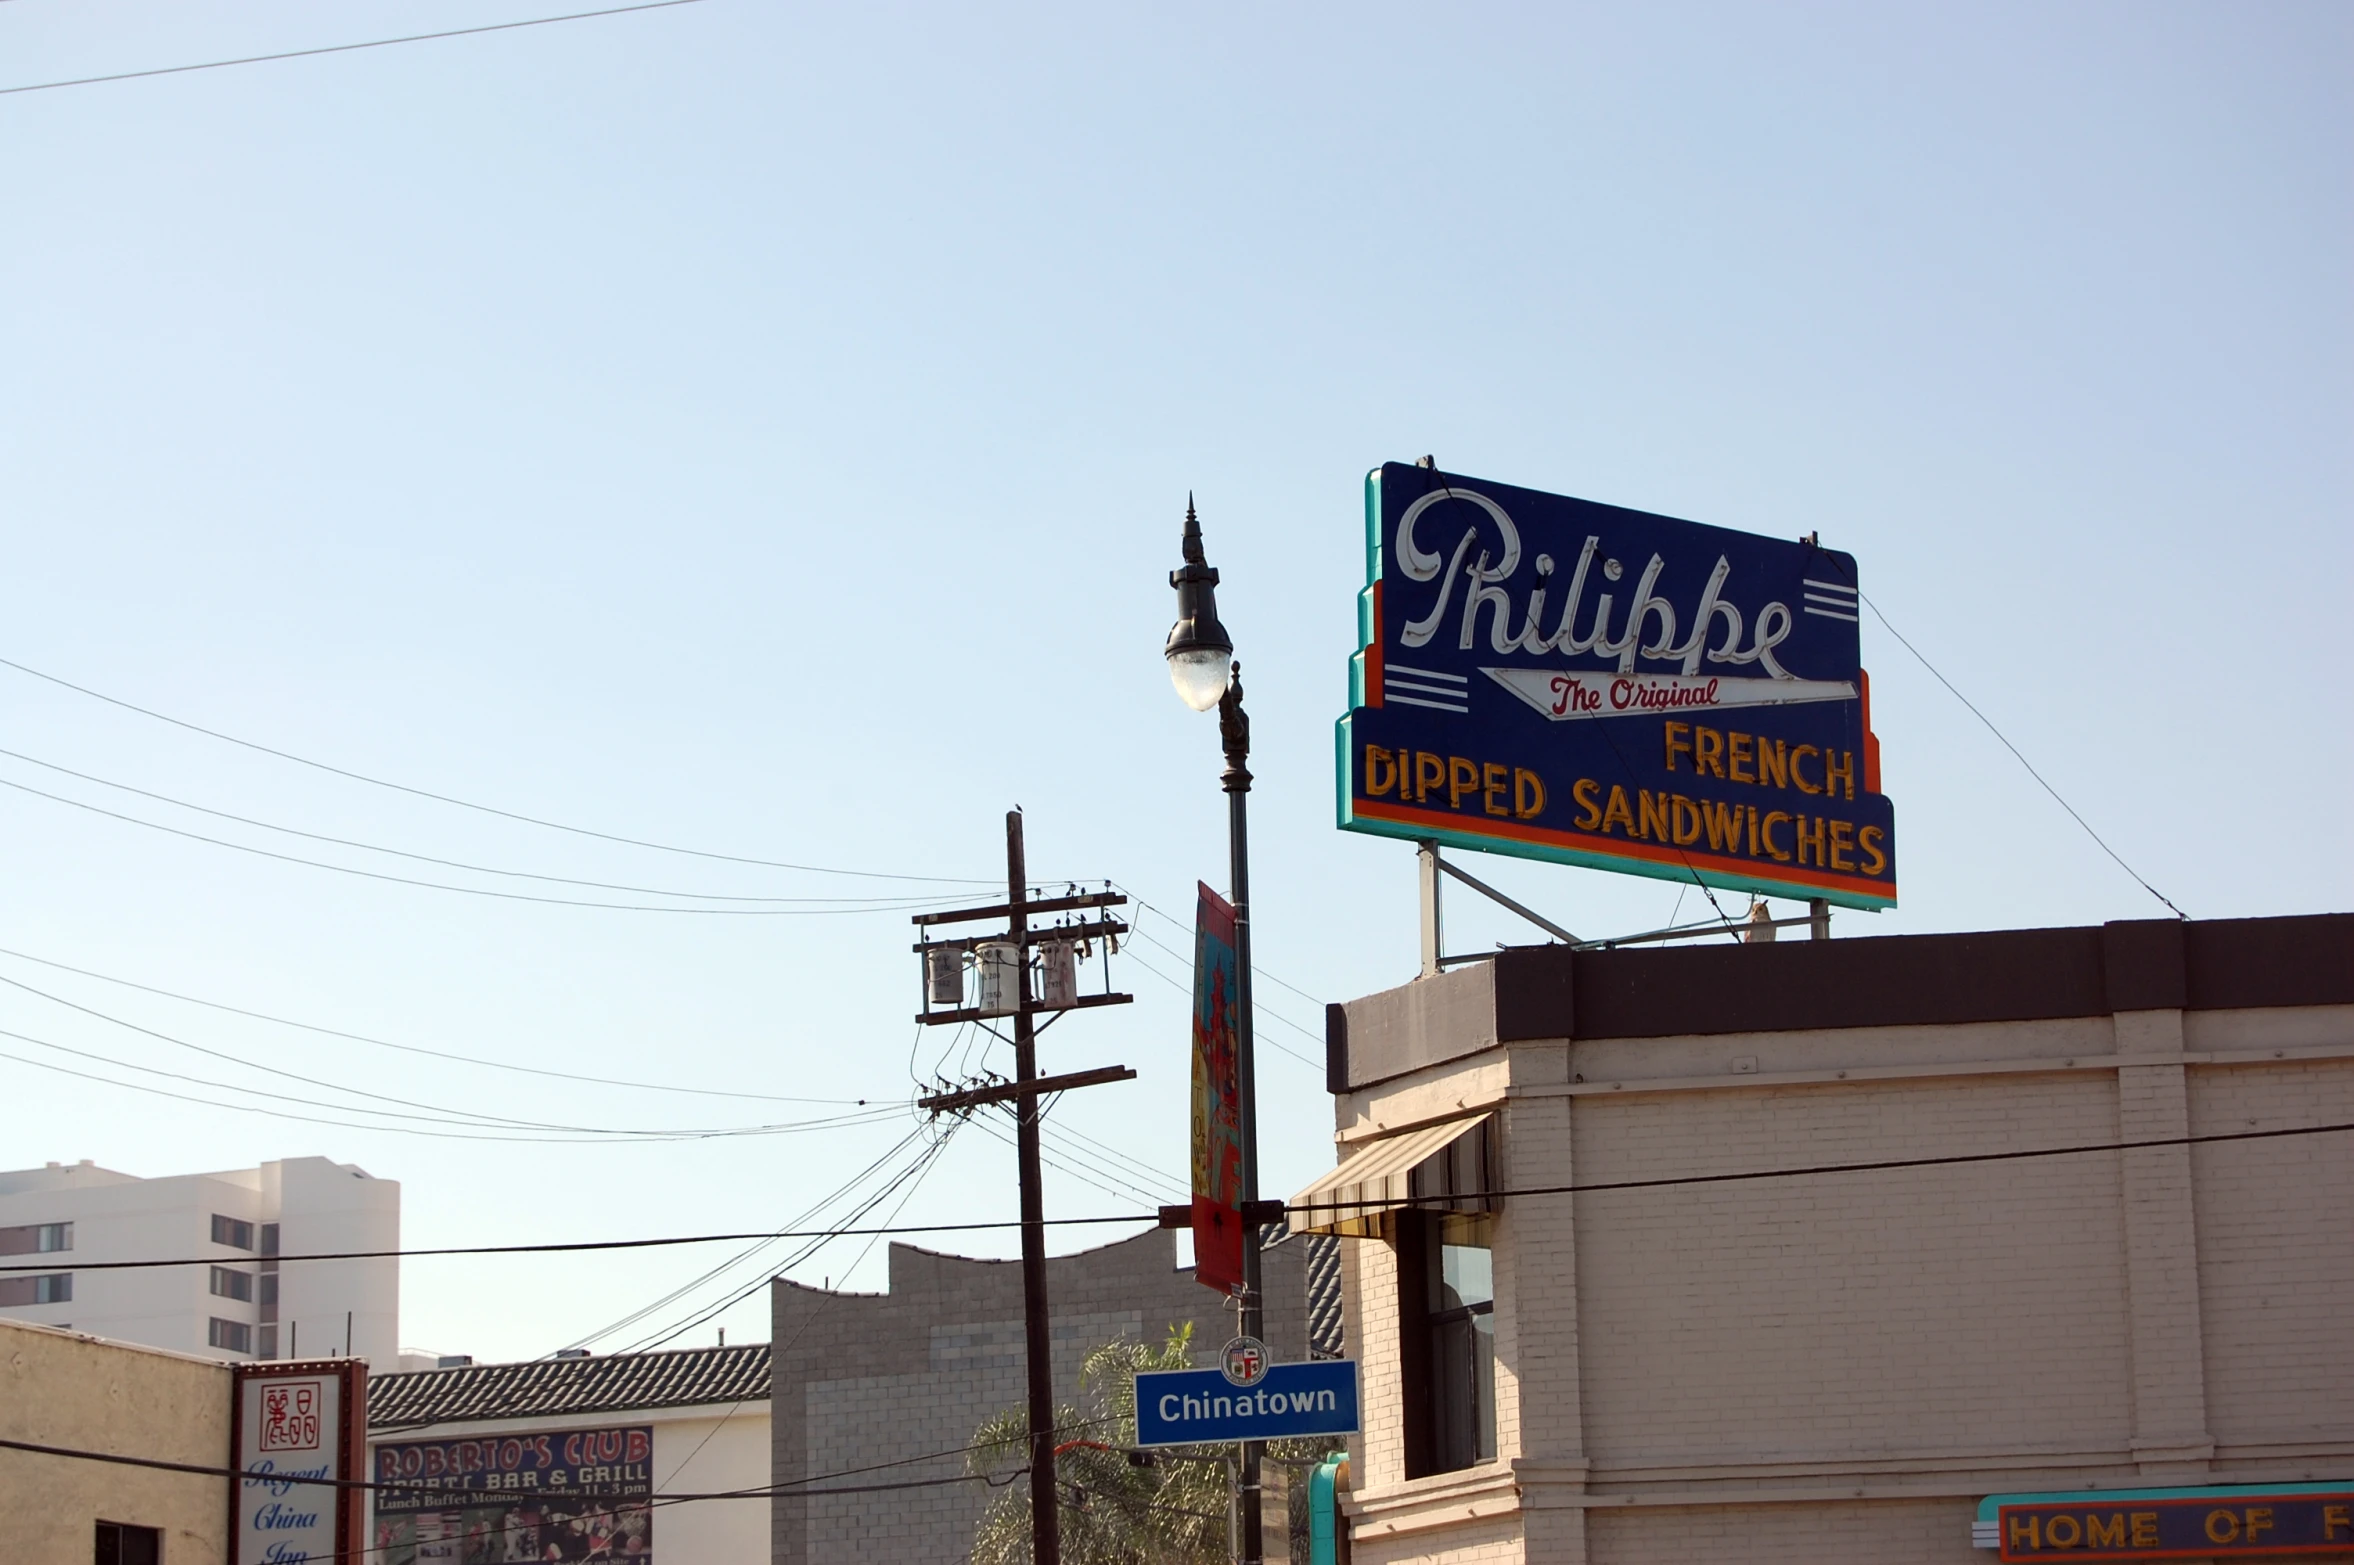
1556, 679
1202, 1407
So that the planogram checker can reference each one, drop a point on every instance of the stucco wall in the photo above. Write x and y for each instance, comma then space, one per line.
63, 1389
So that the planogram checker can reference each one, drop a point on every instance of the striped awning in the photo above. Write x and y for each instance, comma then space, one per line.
1445, 1167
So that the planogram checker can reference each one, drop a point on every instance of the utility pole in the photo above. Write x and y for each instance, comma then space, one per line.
1046, 1518
1026, 1092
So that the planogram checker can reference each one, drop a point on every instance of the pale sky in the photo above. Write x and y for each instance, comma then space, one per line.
766, 429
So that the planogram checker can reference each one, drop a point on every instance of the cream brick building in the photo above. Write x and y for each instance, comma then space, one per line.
1842, 1366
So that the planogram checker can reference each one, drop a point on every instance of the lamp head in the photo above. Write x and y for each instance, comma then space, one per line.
1198, 648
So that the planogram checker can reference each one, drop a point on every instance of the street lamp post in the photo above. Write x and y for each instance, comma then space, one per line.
1201, 665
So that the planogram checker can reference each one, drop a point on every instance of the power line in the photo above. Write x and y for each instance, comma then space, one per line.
807, 1320
870, 1117
892, 906
468, 804
1840, 565
427, 858
439, 1112
1149, 1170
659, 1242
741, 1257
2211, 1138
346, 48
1262, 1011
1141, 1178
410, 1048
907, 1179
907, 1182
1090, 1175
2098, 839
1183, 988
1884, 1165
1257, 972
791, 1487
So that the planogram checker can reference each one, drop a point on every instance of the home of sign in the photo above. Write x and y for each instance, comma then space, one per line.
1556, 679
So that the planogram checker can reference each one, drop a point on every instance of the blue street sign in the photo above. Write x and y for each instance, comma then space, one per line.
1201, 1406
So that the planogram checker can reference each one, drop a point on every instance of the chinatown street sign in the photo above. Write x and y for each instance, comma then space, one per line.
1555, 679
1207, 1406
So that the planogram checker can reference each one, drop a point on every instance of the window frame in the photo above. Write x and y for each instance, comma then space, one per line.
233, 1279
107, 1547
1422, 1239
239, 1332
226, 1231
25, 1290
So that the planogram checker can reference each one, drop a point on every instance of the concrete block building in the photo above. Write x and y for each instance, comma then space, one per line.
1827, 1251
242, 1306
892, 1385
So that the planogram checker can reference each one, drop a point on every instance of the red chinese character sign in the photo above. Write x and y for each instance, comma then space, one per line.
297, 1441
1217, 1098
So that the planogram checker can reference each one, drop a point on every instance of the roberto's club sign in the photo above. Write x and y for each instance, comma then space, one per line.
1557, 679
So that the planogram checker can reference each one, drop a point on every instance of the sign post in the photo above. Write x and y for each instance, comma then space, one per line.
1554, 679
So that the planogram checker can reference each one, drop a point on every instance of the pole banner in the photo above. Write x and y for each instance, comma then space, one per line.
1217, 1099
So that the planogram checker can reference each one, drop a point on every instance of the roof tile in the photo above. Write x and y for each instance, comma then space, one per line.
618, 1383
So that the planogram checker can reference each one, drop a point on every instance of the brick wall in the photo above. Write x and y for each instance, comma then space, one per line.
2276, 1255
1837, 1367
1947, 1311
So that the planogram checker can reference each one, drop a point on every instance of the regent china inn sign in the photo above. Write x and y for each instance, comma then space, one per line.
1556, 679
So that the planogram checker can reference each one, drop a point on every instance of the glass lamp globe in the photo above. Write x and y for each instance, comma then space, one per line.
1199, 675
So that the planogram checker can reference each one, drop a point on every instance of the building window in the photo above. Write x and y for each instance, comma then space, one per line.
119, 1543
229, 1283
54, 1288
1447, 1309
269, 1238
269, 1343
233, 1232
36, 1239
234, 1335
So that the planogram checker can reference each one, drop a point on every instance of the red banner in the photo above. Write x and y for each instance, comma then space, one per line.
1217, 1099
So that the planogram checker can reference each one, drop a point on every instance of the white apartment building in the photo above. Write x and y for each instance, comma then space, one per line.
240, 1304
